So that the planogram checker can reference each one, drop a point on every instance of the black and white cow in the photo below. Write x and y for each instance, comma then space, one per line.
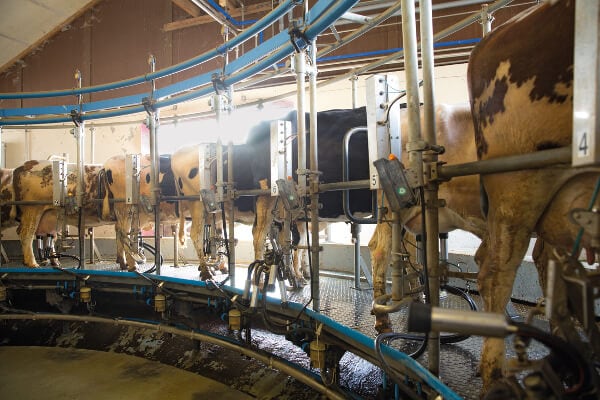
252, 168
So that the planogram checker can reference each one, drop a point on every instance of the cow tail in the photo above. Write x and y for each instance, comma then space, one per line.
106, 212
13, 213
181, 227
483, 199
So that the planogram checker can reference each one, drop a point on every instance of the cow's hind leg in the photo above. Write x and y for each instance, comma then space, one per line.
264, 219
498, 266
197, 237
29, 222
380, 247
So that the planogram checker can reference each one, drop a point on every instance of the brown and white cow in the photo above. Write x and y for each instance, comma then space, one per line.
32, 181
47, 224
520, 83
116, 178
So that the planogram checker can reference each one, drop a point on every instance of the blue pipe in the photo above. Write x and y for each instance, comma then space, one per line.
325, 20
197, 81
397, 49
264, 22
321, 23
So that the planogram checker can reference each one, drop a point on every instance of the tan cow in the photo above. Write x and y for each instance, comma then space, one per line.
462, 211
116, 188
32, 181
520, 83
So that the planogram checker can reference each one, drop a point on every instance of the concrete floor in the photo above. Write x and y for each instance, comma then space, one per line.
30, 372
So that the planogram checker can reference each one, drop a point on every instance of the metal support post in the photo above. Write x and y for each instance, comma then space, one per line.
300, 66
79, 192
219, 195
132, 198
397, 261
354, 81
175, 245
153, 122
430, 158
314, 181
230, 195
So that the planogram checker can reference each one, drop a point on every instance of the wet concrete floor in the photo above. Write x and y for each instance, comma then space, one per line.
28, 372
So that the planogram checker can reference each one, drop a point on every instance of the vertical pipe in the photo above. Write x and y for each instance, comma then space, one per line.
175, 245
355, 230
409, 40
91, 235
28, 144
354, 81
153, 117
431, 187
219, 164
231, 244
79, 192
299, 65
396, 261
314, 179
486, 19
92, 160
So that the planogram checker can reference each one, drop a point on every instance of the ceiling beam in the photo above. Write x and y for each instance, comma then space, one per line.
188, 7
205, 19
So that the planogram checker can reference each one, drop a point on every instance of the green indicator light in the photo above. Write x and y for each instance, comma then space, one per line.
402, 190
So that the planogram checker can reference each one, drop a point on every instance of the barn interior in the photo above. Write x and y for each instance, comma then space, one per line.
287, 265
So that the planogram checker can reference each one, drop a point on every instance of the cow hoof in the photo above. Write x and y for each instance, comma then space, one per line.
383, 327
205, 274
131, 269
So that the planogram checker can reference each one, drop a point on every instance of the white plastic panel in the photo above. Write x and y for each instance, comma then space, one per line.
586, 146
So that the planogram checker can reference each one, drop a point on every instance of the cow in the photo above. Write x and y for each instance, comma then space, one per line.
116, 178
47, 225
185, 166
32, 181
454, 131
520, 79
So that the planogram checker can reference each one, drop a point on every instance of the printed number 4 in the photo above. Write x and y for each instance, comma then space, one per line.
583, 144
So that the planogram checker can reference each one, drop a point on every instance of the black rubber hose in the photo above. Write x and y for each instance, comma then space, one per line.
564, 350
